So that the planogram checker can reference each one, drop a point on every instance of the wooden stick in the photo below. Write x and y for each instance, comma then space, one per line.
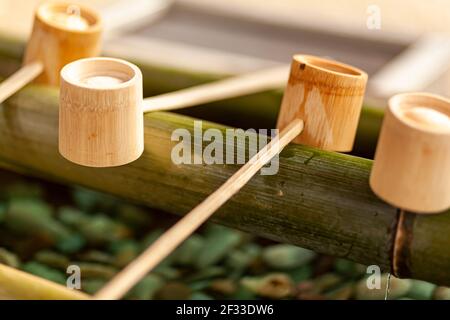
20, 79
19, 285
171, 239
223, 89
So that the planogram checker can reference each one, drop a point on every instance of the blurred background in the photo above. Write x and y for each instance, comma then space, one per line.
404, 45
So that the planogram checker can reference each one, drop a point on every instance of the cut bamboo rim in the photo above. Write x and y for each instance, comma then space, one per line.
170, 240
412, 163
58, 37
62, 32
328, 96
101, 121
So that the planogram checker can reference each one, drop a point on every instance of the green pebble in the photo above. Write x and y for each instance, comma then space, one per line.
96, 256
34, 218
43, 271
188, 252
285, 256
342, 292
200, 284
272, 286
201, 296
301, 274
240, 259
243, 294
174, 291
146, 288
71, 243
421, 290
349, 268
52, 259
89, 200
97, 229
3, 210
167, 272
134, 216
326, 282
95, 270
8, 258
398, 289
207, 273
91, 286
226, 287
124, 251
219, 241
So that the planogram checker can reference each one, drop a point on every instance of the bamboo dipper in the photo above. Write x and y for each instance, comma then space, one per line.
62, 32
326, 93
411, 169
101, 107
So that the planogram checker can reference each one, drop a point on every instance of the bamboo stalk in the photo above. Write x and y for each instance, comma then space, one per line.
318, 200
170, 240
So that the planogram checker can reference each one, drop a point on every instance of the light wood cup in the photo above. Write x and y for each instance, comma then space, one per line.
58, 39
328, 96
101, 120
412, 162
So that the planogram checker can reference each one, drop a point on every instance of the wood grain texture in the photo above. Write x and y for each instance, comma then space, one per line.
328, 96
55, 46
101, 126
412, 162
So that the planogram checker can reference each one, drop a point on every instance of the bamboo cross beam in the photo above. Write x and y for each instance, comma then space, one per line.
62, 33
331, 92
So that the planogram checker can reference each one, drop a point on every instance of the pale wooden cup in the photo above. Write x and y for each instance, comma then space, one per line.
59, 36
411, 169
55, 43
328, 96
101, 122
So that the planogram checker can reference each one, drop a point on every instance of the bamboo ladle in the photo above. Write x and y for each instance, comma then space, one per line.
62, 33
327, 95
411, 168
101, 107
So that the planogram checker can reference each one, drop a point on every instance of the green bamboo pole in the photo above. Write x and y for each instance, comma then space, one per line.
318, 200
